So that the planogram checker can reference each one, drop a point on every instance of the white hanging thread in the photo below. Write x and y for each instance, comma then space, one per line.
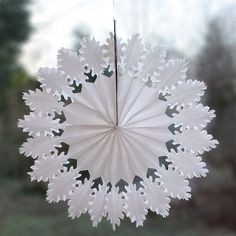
114, 11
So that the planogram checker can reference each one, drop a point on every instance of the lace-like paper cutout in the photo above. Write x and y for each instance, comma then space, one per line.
111, 171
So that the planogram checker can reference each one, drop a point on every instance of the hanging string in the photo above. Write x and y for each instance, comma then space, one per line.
116, 64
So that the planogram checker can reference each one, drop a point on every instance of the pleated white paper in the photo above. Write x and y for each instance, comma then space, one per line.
110, 170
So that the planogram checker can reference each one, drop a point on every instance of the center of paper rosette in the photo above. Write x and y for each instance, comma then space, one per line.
117, 152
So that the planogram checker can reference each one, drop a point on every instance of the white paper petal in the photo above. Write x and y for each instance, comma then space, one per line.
55, 81
110, 50
171, 73
42, 102
97, 205
135, 206
133, 53
40, 146
157, 200
92, 56
47, 167
188, 164
62, 185
153, 60
175, 184
80, 199
37, 124
115, 207
188, 92
197, 141
69, 62
194, 116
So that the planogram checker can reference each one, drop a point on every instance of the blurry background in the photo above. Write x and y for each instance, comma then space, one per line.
203, 31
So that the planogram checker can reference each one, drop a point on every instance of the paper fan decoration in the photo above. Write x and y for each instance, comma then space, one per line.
117, 139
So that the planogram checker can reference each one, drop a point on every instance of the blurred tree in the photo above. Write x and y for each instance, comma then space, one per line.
14, 30
216, 66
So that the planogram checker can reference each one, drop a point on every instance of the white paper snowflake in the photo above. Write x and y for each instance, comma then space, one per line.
108, 170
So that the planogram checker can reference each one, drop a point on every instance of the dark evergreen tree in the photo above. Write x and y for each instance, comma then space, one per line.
14, 30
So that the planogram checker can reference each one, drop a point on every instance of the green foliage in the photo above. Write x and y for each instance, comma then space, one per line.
14, 30
18, 77
60, 225
29, 214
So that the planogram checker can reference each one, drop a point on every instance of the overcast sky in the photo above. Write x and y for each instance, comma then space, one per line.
177, 24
